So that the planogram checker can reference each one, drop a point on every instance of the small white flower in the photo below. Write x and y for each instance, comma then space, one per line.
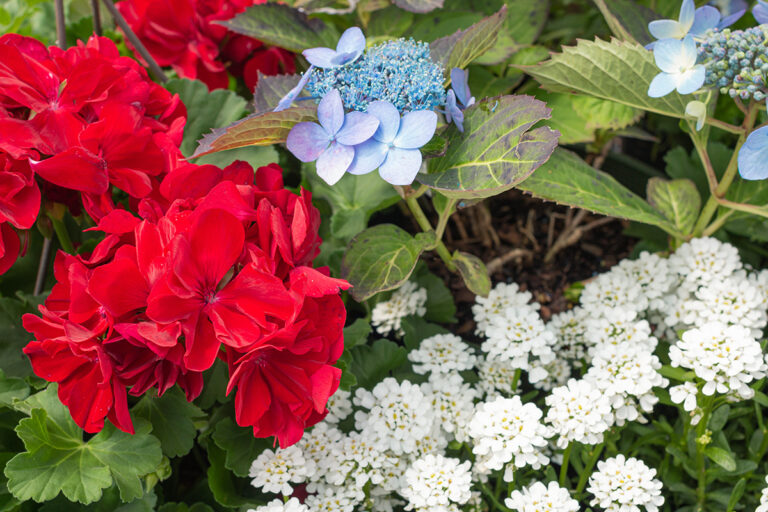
614, 289
319, 445
274, 471
496, 376
704, 260
409, 299
452, 402
684, 394
442, 353
339, 406
292, 505
502, 298
538, 497
434, 482
625, 485
333, 499
579, 412
763, 499
570, 328
519, 336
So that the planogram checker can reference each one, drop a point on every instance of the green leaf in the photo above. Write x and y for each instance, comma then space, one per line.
381, 258
721, 457
12, 389
255, 130
205, 109
183, 507
417, 329
464, 46
616, 71
520, 30
496, 150
677, 200
13, 337
719, 418
371, 363
223, 486
419, 6
357, 333
440, 305
270, 89
473, 272
389, 23
239, 445
627, 19
172, 420
567, 179
736, 494
280, 25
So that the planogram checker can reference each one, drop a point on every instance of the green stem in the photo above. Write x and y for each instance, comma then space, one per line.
516, 379
564, 466
442, 222
718, 223
731, 128
701, 466
485, 490
426, 226
62, 235
588, 469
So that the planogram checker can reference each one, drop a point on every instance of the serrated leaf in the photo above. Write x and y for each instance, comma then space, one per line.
677, 200
577, 118
473, 272
616, 71
255, 130
464, 46
721, 457
239, 446
270, 89
371, 363
419, 6
627, 19
206, 110
520, 30
382, 258
567, 179
172, 420
283, 26
496, 150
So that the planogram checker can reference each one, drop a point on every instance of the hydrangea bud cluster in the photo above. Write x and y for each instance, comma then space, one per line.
737, 61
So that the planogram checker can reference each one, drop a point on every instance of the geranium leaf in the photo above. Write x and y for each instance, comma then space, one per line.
628, 20
206, 110
567, 179
617, 71
677, 200
371, 363
382, 258
12, 360
473, 272
255, 130
418, 5
12, 389
496, 150
283, 26
224, 487
464, 46
172, 420
440, 305
239, 445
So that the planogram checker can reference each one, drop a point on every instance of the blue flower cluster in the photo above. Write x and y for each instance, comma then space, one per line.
737, 62
400, 72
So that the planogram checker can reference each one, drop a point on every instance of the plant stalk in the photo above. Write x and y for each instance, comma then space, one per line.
426, 226
564, 466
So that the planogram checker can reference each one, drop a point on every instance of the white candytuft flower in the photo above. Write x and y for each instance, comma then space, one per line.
333, 499
339, 406
726, 357
496, 376
763, 499
570, 329
579, 411
409, 299
614, 289
684, 394
398, 415
704, 260
452, 402
616, 326
354, 461
652, 273
320, 445
519, 336
442, 353
505, 430
625, 485
542, 498
275, 471
292, 505
433, 483
502, 298
557, 371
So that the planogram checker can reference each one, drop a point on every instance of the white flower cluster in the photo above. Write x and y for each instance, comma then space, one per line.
274, 471
434, 482
442, 353
763, 499
625, 485
542, 498
292, 505
409, 299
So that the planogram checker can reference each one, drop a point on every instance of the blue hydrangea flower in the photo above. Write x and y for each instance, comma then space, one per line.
349, 48
698, 111
696, 22
760, 11
289, 98
736, 62
731, 11
332, 141
753, 155
675, 29
394, 148
677, 61
458, 98
400, 72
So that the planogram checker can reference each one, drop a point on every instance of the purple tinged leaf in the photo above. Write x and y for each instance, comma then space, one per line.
401, 166
307, 141
416, 129
357, 128
389, 120
330, 112
368, 156
334, 162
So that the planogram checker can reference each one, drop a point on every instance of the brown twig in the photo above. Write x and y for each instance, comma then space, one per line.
156, 71
42, 267
96, 17
496, 263
61, 31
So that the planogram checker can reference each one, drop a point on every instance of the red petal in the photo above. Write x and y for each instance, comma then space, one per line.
75, 168
119, 287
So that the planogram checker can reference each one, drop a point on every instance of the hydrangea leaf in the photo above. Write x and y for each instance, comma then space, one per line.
205, 110
496, 150
371, 363
473, 272
616, 71
57, 459
381, 258
255, 130
239, 446
419, 6
172, 420
677, 200
520, 30
567, 179
464, 46
627, 20
326, 6
283, 26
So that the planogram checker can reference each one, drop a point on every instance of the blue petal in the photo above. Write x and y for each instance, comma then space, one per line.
459, 83
691, 80
389, 120
666, 29
351, 44
368, 156
289, 98
320, 57
416, 129
760, 12
737, 10
334, 162
401, 166
358, 127
307, 141
753, 156
330, 112
706, 18
450, 105
687, 14
662, 84
667, 55
689, 53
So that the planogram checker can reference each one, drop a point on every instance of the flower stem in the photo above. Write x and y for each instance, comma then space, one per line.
485, 490
426, 226
62, 235
564, 466
596, 451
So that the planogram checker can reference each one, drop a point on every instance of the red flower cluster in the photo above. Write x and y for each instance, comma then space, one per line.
218, 266
82, 119
182, 34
